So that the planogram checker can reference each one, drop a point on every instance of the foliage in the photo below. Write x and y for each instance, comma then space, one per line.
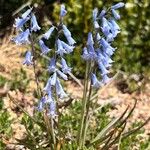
63, 130
137, 140
5, 128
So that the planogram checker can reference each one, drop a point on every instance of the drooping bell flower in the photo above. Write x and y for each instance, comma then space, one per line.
63, 11
65, 67
41, 104
52, 65
27, 13
60, 50
62, 75
22, 38
44, 48
52, 109
28, 58
85, 54
47, 87
102, 13
116, 14
102, 68
118, 5
47, 35
95, 83
19, 22
34, 24
53, 79
67, 47
59, 90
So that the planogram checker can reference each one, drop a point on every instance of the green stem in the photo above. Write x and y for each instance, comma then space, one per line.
39, 91
87, 114
49, 125
53, 133
84, 102
46, 120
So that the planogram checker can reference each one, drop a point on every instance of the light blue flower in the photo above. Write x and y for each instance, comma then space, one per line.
27, 13
49, 97
62, 75
67, 47
47, 87
102, 68
107, 47
85, 54
70, 40
95, 83
34, 24
52, 65
67, 34
115, 14
19, 22
65, 67
95, 12
100, 56
110, 37
114, 24
60, 50
52, 109
109, 50
96, 25
102, 13
114, 28
90, 39
47, 35
41, 104
59, 90
92, 53
105, 79
53, 79
66, 31
28, 58
118, 5
44, 48
105, 59
104, 43
105, 27
63, 11
98, 37
22, 38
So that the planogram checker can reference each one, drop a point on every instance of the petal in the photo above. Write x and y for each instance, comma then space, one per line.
34, 23
28, 58
25, 14
63, 11
95, 12
53, 79
118, 5
115, 14
47, 35
43, 47
62, 75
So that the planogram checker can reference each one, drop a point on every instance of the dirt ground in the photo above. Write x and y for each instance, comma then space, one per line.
11, 60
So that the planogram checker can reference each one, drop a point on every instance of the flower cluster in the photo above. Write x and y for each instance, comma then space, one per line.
26, 25
53, 90
98, 47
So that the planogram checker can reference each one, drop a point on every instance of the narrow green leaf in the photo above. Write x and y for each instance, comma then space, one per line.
109, 127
